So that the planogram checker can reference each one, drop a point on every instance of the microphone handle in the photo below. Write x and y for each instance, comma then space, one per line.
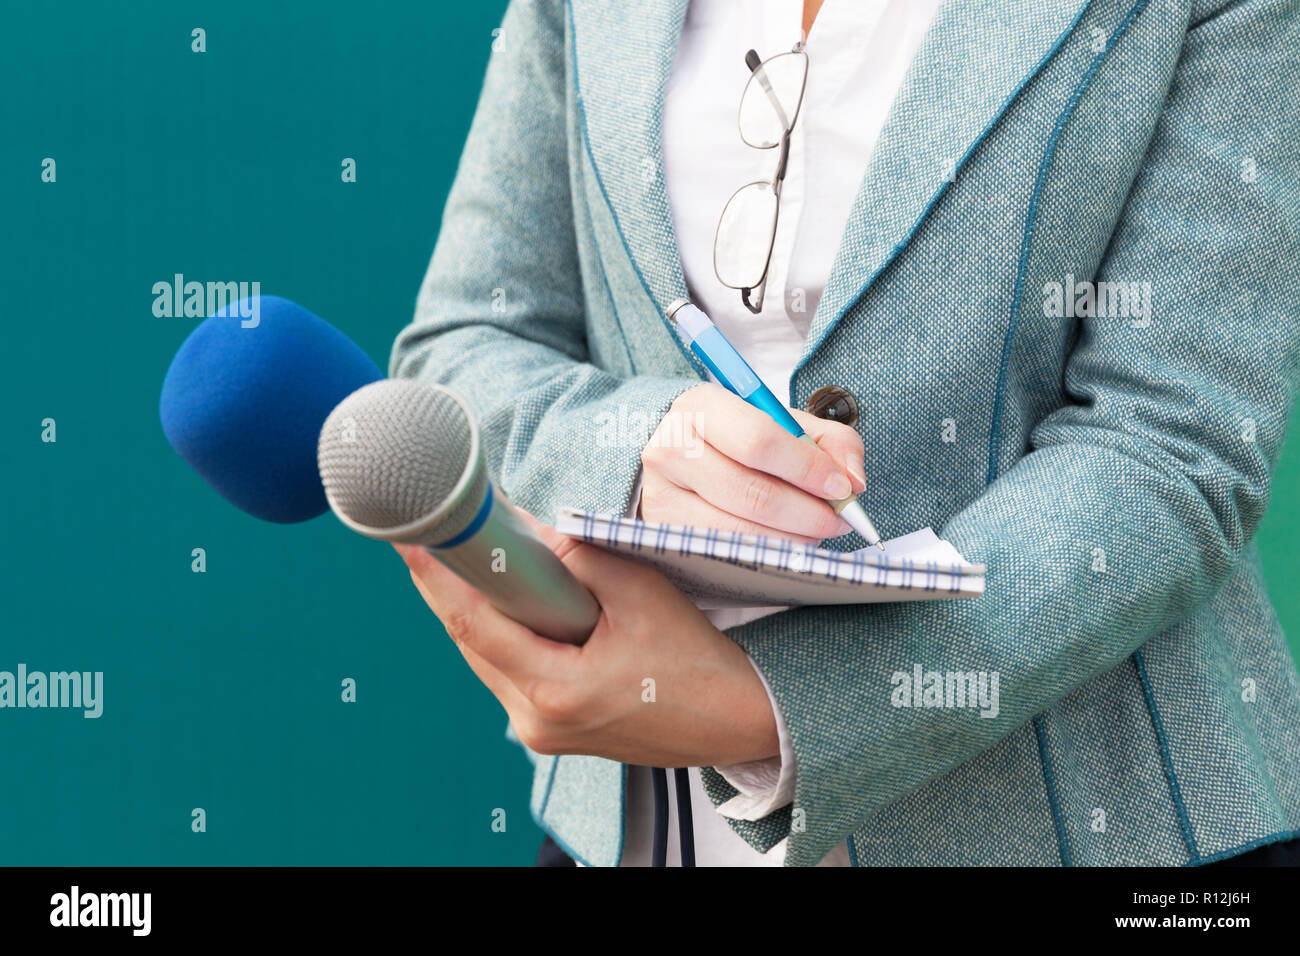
522, 577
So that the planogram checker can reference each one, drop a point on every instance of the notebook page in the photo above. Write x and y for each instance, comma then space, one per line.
740, 571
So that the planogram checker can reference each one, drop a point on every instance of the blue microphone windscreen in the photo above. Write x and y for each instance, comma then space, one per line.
243, 402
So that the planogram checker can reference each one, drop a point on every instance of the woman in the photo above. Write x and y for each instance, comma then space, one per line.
1036, 271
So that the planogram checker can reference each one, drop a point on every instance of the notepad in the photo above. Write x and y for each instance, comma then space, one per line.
718, 569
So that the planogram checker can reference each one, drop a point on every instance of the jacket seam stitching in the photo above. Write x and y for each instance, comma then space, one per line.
539, 815
1031, 221
1166, 759
609, 292
550, 782
1053, 800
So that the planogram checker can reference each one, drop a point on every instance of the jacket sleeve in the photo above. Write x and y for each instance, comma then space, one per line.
1160, 464
500, 317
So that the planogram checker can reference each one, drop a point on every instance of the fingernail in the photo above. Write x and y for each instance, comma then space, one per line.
857, 471
837, 487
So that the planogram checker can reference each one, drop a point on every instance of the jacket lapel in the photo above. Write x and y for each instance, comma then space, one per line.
623, 54
975, 58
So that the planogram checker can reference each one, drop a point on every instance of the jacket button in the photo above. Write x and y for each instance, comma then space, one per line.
834, 404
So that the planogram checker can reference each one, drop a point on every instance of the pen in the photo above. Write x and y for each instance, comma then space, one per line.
706, 340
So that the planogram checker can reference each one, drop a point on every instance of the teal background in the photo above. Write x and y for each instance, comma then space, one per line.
222, 690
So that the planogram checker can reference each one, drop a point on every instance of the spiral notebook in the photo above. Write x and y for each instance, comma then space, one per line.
718, 569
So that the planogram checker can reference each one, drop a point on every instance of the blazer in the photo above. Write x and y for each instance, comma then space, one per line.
1109, 463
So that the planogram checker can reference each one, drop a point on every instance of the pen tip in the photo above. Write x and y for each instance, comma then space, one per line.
880, 545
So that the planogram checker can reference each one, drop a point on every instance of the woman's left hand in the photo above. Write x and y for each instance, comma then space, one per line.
656, 684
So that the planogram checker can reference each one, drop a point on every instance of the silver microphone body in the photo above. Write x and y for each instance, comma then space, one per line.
401, 461
521, 576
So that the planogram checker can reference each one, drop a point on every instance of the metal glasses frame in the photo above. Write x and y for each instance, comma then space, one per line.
758, 74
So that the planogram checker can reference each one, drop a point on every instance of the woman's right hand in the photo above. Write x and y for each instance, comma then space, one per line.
717, 462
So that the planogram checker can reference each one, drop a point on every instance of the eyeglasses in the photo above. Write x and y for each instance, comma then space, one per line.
769, 107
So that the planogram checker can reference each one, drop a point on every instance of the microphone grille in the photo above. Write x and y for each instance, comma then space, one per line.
392, 453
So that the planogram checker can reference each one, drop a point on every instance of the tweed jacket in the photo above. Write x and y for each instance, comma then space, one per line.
1066, 304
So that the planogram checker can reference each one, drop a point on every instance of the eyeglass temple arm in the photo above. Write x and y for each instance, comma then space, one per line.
756, 67
760, 290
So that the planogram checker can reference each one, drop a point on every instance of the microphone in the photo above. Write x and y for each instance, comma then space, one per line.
401, 461
244, 406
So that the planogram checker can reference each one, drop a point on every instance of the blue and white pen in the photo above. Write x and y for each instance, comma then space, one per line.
706, 340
